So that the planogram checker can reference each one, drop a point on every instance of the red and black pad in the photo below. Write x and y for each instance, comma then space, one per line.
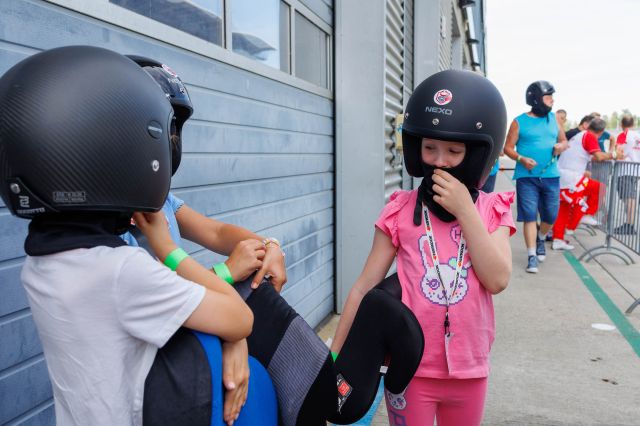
383, 328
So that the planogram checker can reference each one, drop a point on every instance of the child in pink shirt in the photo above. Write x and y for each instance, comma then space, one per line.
451, 246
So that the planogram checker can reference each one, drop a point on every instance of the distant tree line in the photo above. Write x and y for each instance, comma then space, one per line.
612, 120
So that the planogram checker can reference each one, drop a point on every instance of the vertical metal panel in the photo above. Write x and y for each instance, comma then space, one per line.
457, 33
408, 70
394, 87
408, 49
359, 93
446, 25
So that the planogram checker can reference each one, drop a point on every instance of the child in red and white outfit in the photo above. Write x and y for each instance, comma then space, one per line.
579, 194
451, 244
629, 141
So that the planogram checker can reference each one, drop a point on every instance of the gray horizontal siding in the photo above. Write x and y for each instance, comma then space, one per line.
23, 388
12, 295
257, 153
42, 414
19, 328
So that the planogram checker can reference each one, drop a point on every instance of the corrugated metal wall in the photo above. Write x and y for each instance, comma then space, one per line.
258, 153
393, 92
446, 26
408, 50
398, 86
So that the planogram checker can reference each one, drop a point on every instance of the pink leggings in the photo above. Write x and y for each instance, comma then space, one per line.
451, 402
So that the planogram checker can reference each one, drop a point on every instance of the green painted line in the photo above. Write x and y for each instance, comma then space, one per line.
622, 323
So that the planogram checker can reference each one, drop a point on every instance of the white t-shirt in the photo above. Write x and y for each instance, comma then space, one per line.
630, 142
573, 162
102, 313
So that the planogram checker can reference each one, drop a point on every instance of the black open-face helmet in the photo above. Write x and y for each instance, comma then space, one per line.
459, 106
82, 129
537, 90
177, 94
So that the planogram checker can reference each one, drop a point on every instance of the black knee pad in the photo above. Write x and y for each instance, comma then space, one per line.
178, 387
184, 386
297, 360
312, 388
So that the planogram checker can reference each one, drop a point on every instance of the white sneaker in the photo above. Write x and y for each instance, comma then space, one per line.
561, 245
589, 220
569, 231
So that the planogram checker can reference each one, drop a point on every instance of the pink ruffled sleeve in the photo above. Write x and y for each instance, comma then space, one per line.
499, 212
388, 220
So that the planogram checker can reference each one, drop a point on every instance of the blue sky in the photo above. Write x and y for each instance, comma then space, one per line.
588, 49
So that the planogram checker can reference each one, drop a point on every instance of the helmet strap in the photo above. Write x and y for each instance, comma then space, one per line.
540, 109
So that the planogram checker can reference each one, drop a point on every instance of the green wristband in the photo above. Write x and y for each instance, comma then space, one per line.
334, 355
222, 270
174, 258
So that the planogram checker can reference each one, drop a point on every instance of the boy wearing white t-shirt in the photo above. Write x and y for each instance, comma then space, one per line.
102, 309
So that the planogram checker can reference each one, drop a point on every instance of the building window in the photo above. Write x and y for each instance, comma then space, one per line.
311, 52
283, 40
260, 31
200, 18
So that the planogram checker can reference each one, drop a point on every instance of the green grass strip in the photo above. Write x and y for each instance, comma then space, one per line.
618, 318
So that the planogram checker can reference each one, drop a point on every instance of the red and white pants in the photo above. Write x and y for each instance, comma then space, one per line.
575, 203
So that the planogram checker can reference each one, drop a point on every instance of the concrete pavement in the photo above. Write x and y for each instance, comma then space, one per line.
551, 364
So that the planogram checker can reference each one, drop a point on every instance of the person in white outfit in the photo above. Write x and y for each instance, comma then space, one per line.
629, 141
578, 192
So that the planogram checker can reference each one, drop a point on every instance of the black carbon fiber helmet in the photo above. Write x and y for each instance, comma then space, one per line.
82, 129
177, 94
459, 106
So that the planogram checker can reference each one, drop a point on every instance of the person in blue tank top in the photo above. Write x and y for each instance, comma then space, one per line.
490, 183
534, 141
605, 137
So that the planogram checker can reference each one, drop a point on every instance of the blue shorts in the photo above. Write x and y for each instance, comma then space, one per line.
538, 195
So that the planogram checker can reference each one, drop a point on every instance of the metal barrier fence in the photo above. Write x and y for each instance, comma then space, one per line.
618, 216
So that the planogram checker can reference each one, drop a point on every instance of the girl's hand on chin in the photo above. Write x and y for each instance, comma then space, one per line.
450, 193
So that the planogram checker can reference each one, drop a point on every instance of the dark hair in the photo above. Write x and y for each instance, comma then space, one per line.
597, 125
627, 121
561, 111
586, 119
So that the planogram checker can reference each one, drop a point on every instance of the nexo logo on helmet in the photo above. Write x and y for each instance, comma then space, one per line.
443, 97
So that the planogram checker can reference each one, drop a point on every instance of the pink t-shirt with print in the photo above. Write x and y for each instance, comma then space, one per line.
470, 308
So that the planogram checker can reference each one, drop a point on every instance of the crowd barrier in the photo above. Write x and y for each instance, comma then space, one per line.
618, 217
